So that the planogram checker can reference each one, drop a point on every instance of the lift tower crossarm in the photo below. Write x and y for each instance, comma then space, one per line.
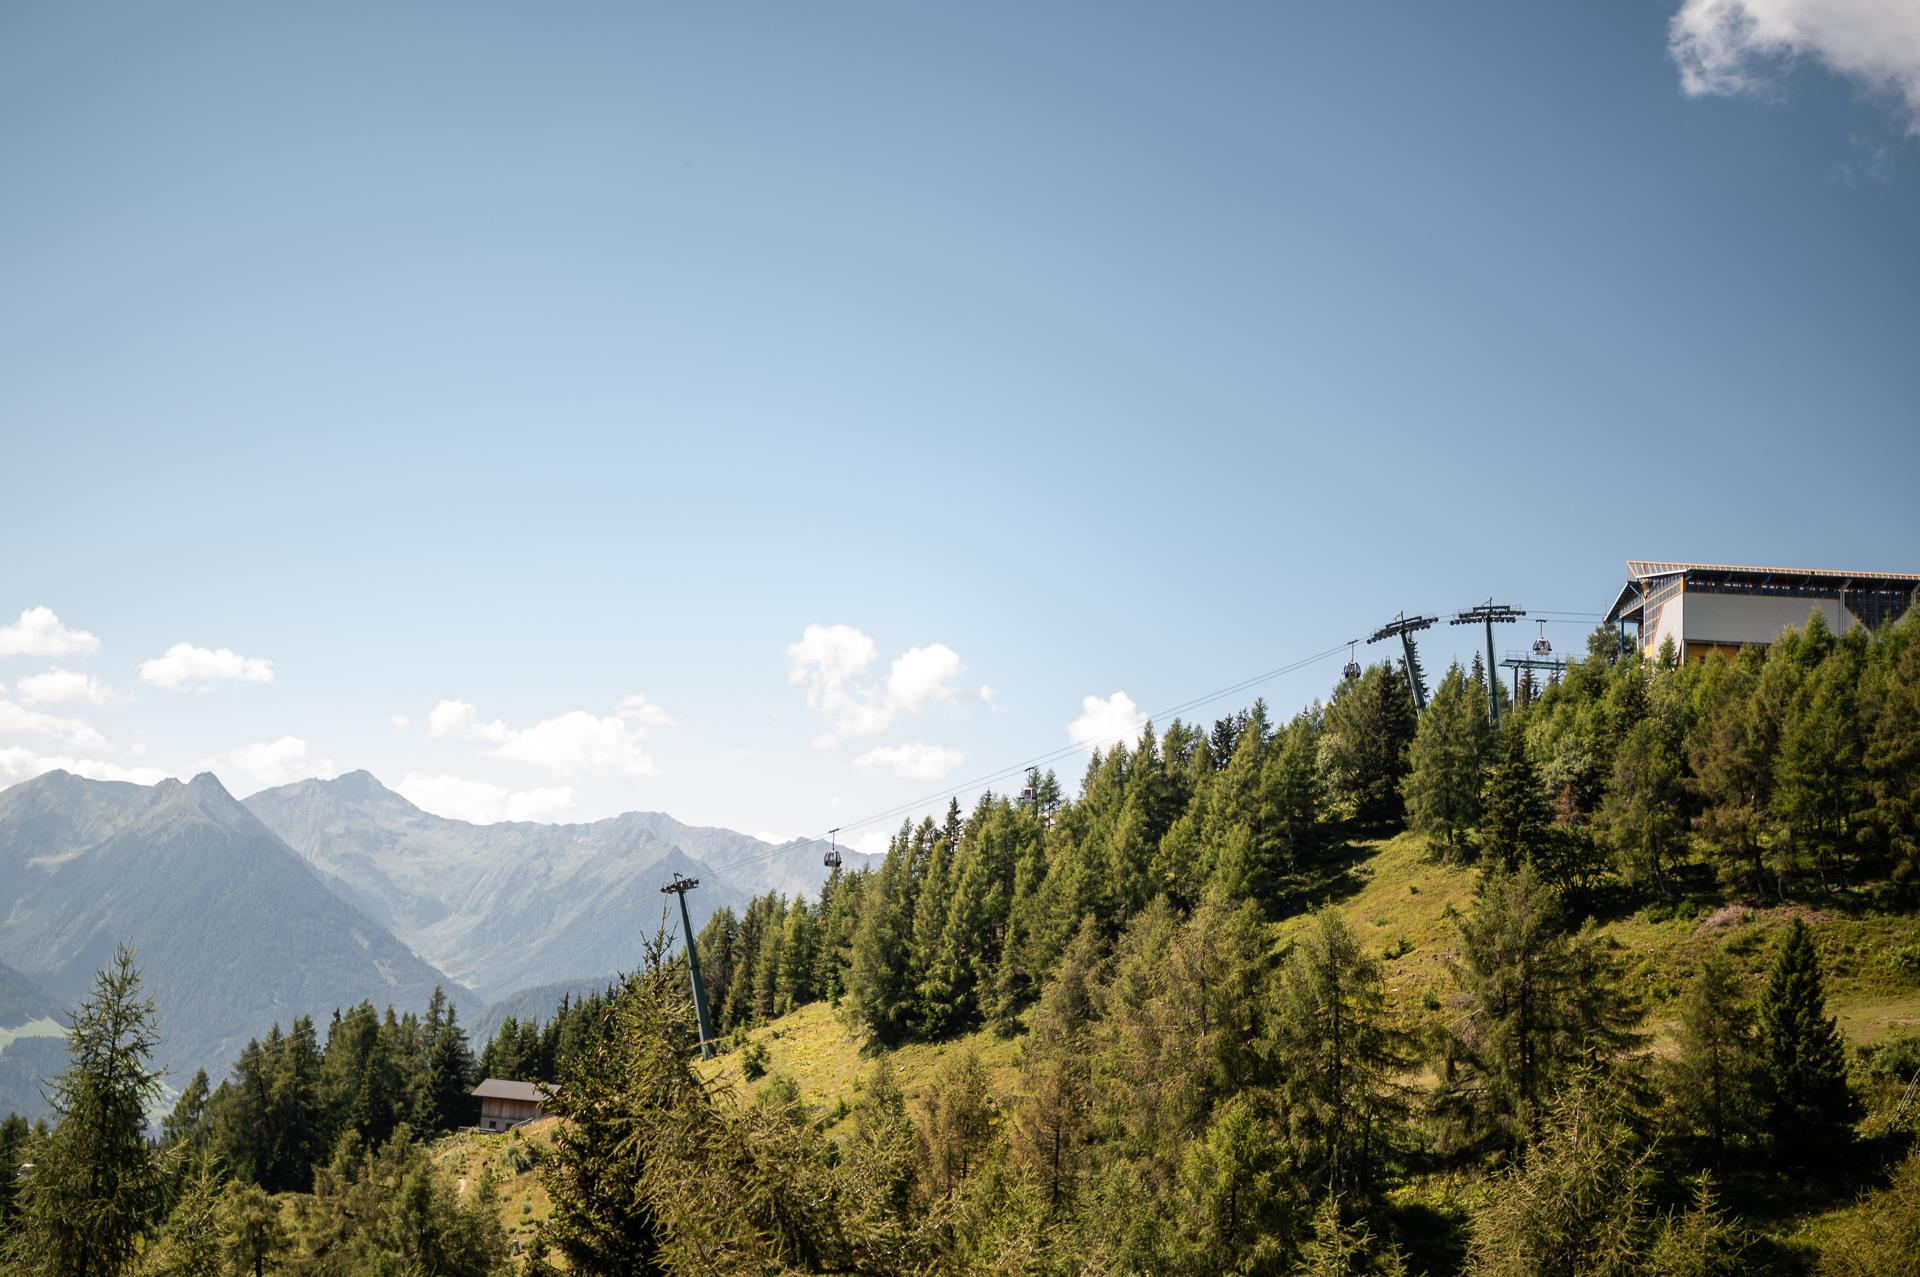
680, 887
1490, 614
1405, 627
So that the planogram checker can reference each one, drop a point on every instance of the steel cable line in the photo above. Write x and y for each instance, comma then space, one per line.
1055, 755
1552, 615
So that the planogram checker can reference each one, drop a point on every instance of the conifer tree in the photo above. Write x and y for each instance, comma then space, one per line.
1729, 753
1337, 1055
1052, 1124
1447, 763
1339, 1249
1711, 1076
1644, 812
1880, 1236
14, 1137
1536, 1004
1819, 778
1700, 1241
186, 1128
878, 969
1577, 1206
1369, 728
94, 1188
192, 1234
1809, 1106
250, 1229
1891, 758
1514, 820
449, 1077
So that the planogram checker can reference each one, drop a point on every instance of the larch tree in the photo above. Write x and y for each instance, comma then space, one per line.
92, 1194
1644, 813
1534, 1005
1337, 1055
1710, 1077
1448, 760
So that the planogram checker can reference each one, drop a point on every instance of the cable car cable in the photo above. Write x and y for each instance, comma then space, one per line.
1040, 759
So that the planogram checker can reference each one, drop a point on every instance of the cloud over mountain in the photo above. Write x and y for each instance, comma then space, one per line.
576, 744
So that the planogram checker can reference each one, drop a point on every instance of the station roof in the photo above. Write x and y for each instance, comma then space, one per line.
1640, 572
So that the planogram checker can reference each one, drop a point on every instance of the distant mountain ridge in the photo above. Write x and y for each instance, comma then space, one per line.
233, 931
515, 905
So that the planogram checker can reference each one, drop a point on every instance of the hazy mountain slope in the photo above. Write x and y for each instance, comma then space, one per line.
537, 1003
514, 905
21, 1000
33, 1043
232, 929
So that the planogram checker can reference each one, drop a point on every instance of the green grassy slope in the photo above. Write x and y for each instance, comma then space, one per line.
1402, 900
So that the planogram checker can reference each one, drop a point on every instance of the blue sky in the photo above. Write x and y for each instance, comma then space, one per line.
533, 361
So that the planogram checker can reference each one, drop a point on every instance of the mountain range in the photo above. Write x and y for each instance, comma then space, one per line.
233, 931
510, 906
320, 894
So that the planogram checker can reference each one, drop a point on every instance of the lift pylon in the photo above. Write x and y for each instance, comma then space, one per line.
1490, 614
680, 887
1405, 627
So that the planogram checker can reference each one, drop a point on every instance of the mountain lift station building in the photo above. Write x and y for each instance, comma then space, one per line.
1707, 608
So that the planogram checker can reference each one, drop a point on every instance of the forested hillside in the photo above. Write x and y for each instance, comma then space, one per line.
1357, 992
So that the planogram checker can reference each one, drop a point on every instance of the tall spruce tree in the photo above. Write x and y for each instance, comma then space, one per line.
1809, 1106
95, 1185
1514, 820
1369, 728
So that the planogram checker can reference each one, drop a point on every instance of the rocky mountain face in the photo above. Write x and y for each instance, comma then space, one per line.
512, 906
232, 929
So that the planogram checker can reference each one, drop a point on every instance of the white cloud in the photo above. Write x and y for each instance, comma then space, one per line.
638, 709
831, 660
873, 841
56, 686
15, 720
1105, 721
922, 674
264, 764
459, 798
399, 722
18, 764
39, 633
460, 718
185, 665
580, 744
1733, 46
917, 761
573, 744
827, 659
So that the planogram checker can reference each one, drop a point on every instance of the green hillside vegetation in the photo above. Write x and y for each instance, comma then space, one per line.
1627, 983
